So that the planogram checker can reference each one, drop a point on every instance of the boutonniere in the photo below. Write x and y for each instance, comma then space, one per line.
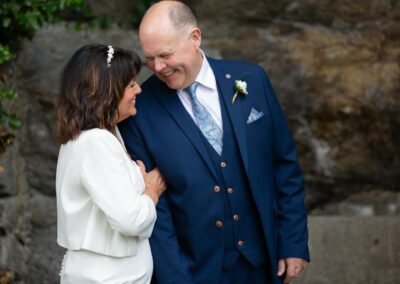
240, 88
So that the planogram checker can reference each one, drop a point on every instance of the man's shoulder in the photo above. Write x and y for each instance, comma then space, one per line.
234, 64
152, 83
151, 88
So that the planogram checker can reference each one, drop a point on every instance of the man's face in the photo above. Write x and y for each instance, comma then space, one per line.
174, 58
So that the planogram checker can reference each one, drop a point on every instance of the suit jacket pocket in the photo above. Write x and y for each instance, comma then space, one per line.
257, 123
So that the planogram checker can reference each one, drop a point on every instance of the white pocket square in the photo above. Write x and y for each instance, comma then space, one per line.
254, 115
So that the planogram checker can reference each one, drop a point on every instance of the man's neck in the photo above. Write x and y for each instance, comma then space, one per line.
199, 65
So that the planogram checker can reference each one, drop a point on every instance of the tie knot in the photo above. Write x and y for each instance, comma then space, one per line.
191, 90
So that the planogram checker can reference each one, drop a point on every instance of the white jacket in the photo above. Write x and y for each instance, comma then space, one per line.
100, 205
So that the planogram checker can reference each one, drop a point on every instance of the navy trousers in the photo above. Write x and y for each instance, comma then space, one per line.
244, 273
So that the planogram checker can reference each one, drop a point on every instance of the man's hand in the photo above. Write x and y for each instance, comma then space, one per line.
292, 266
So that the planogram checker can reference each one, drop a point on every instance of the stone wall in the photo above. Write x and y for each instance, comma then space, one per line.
335, 68
348, 250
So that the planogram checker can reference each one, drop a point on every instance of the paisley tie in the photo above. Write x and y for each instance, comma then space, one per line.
204, 120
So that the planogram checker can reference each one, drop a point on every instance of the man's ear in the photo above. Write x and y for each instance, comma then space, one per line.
195, 36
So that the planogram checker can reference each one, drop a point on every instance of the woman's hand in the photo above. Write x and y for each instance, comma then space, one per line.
154, 182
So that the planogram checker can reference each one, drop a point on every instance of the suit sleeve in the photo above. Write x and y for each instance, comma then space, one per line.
170, 265
105, 175
292, 215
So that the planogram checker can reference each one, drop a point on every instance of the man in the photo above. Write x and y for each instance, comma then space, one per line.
234, 211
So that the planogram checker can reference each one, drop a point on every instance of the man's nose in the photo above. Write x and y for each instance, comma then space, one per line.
159, 64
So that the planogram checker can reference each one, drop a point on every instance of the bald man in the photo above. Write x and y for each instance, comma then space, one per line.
234, 211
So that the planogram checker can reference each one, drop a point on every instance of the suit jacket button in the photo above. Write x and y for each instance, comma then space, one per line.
229, 190
218, 224
236, 217
240, 243
217, 188
223, 165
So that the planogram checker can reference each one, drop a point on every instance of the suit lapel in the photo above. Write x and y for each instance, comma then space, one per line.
171, 102
226, 88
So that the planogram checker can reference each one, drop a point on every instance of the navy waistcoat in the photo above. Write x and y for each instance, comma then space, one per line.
241, 222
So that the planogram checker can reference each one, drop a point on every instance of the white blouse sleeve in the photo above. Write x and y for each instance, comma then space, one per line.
105, 175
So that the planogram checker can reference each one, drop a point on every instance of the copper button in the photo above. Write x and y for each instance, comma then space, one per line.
240, 243
217, 188
218, 224
236, 217
229, 190
223, 165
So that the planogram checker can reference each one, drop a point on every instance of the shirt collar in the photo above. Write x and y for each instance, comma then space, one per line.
206, 75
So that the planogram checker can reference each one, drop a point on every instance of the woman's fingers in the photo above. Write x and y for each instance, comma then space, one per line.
141, 166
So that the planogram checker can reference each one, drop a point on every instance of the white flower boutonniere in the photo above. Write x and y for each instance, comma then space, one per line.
240, 88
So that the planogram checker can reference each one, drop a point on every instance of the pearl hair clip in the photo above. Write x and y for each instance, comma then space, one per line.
110, 55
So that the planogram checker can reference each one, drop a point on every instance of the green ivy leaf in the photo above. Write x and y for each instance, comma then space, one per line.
33, 20
14, 122
8, 94
5, 54
6, 22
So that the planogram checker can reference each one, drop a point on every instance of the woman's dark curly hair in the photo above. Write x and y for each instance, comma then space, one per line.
91, 91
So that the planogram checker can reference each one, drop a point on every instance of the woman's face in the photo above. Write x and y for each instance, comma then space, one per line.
127, 105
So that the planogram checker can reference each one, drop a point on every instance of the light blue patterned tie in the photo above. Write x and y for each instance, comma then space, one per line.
205, 121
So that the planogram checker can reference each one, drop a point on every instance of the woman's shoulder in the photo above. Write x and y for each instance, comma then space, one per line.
95, 139
96, 134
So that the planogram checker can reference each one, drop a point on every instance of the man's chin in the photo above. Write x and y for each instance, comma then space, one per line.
172, 83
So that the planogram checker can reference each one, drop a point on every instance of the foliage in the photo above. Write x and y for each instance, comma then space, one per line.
7, 121
5, 54
20, 19
11, 120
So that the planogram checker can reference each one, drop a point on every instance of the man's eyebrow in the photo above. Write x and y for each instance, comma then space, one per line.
165, 53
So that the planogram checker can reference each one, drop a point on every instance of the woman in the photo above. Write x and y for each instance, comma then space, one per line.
105, 201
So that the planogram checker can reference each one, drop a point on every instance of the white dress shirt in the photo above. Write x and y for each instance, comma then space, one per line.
206, 93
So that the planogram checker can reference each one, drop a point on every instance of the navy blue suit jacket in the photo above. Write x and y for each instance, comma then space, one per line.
186, 245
